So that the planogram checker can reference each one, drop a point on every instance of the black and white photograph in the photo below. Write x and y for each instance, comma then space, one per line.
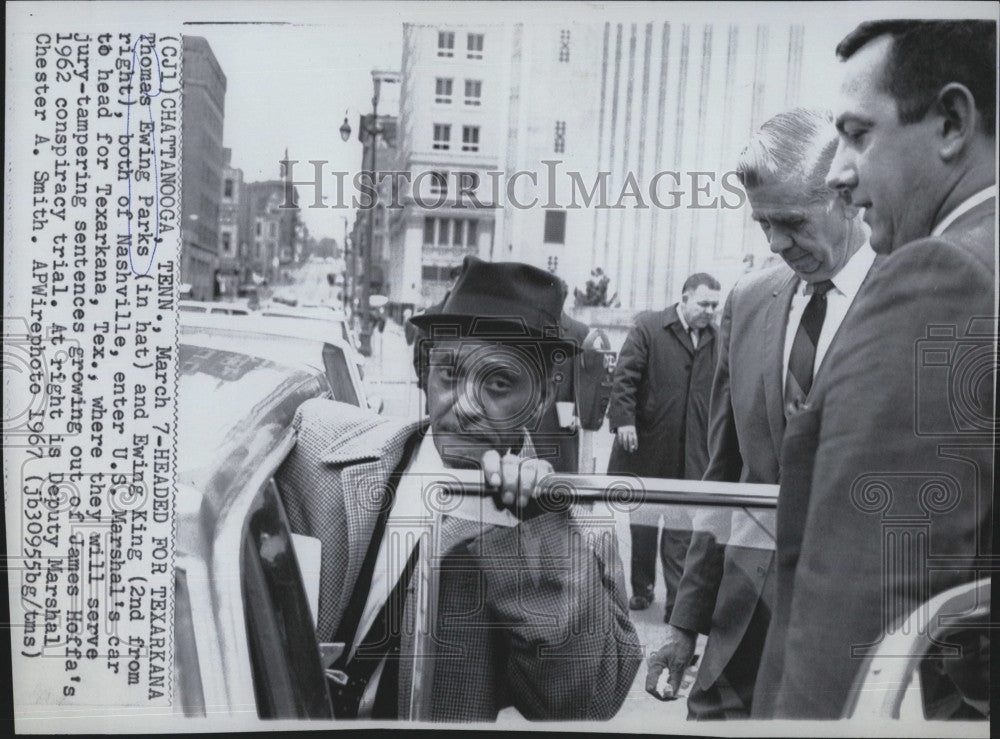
548, 366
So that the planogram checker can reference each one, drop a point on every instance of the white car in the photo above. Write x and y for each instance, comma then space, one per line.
201, 306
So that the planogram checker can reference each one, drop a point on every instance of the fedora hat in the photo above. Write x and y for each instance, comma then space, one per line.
498, 301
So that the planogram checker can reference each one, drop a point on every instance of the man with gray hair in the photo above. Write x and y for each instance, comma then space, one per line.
777, 325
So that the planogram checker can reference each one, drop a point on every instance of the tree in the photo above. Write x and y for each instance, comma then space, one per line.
595, 293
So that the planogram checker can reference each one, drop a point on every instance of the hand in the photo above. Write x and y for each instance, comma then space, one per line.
675, 655
628, 438
513, 478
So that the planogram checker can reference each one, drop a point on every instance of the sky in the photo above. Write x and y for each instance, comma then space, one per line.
297, 68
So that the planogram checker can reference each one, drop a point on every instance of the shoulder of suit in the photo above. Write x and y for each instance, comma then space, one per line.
347, 428
650, 318
974, 245
763, 281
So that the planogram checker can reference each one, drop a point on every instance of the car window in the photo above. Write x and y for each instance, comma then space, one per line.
339, 375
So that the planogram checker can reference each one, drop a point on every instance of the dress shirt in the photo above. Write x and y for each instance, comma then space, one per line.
691, 332
845, 286
408, 520
965, 206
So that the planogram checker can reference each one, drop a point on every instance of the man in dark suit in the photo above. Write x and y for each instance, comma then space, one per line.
766, 356
896, 442
659, 413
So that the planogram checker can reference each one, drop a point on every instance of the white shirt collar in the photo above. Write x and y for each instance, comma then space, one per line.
964, 207
680, 316
848, 281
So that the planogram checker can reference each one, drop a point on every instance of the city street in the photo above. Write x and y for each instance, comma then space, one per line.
389, 374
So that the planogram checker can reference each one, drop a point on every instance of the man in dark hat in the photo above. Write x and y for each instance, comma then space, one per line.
531, 606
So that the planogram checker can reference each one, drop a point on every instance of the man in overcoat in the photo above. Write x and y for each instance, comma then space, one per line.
659, 415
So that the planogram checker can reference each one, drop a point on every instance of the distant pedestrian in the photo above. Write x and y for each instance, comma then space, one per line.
659, 413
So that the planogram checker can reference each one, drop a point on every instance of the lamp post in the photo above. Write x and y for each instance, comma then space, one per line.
372, 132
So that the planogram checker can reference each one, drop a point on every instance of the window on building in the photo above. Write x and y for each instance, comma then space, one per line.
442, 136
439, 183
227, 243
474, 46
259, 228
555, 227
472, 233
564, 45
559, 144
473, 92
442, 90
553, 264
468, 181
274, 229
227, 188
457, 234
446, 43
259, 249
470, 138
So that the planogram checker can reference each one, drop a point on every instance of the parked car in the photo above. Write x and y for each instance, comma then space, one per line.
249, 648
320, 344
200, 306
315, 312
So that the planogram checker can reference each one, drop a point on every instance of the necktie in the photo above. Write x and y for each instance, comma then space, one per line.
799, 379
694, 337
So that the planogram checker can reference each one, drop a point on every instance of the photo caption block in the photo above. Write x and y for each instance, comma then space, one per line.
90, 354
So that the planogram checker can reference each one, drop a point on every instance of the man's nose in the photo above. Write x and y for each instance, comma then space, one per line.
842, 175
779, 241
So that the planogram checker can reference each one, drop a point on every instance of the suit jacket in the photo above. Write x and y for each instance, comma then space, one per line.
662, 386
533, 616
718, 593
888, 472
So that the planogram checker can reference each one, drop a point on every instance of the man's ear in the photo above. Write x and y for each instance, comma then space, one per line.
959, 119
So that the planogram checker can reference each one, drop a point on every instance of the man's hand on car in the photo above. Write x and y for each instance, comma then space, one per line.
675, 655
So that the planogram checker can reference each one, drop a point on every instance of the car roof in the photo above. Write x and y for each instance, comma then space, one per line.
291, 327
233, 408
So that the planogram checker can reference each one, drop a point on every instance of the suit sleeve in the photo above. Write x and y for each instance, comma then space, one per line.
699, 585
893, 447
555, 590
629, 371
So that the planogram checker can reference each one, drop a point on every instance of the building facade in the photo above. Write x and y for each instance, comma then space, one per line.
203, 100
587, 145
233, 248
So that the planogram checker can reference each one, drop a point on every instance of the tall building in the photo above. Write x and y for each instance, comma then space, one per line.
204, 98
272, 233
610, 145
452, 98
232, 242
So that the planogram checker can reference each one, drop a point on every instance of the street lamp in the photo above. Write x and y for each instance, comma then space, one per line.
372, 132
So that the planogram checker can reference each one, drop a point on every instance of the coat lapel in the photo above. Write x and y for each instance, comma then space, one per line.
773, 347
368, 458
672, 323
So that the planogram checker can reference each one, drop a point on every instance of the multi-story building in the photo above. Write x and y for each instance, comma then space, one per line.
452, 99
204, 97
232, 242
271, 233
587, 145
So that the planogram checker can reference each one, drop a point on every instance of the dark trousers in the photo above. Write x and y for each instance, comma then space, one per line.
673, 549
731, 696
